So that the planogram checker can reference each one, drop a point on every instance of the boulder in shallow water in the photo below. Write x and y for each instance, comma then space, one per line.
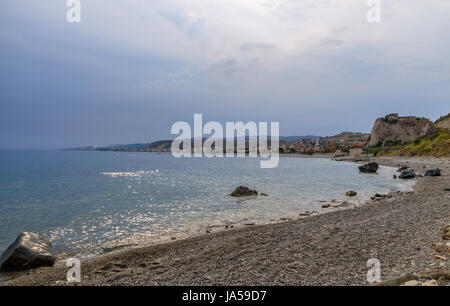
407, 174
369, 168
433, 172
243, 191
402, 167
351, 193
28, 251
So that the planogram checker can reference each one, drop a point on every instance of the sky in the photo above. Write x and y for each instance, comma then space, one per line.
132, 68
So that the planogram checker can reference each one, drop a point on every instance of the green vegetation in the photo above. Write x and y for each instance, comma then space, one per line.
437, 145
389, 120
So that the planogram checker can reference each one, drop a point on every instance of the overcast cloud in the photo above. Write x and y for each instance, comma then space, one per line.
132, 68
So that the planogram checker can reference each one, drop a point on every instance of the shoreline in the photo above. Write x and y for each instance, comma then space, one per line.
140, 254
141, 240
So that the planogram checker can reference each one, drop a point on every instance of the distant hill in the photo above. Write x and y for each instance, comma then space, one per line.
347, 137
164, 145
127, 147
298, 138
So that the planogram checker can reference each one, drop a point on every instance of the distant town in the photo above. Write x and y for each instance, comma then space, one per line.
342, 144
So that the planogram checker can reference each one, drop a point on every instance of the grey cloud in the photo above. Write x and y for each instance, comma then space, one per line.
258, 46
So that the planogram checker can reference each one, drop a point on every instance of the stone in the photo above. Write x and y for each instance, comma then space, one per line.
243, 191
407, 174
351, 193
432, 282
402, 167
369, 168
446, 229
28, 251
440, 257
433, 172
411, 283
406, 277
394, 176
263, 194
326, 205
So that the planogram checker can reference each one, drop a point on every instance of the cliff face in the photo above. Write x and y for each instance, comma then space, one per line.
443, 122
395, 128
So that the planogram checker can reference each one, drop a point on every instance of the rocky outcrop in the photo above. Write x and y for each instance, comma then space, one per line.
443, 122
369, 168
28, 251
393, 128
243, 191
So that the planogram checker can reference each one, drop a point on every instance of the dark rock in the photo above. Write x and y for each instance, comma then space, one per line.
395, 176
264, 194
369, 168
243, 191
351, 193
28, 251
122, 266
326, 205
402, 167
433, 172
407, 174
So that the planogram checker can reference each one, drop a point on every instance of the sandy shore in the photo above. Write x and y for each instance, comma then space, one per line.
325, 249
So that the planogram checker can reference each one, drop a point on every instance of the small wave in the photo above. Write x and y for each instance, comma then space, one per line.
129, 174
119, 174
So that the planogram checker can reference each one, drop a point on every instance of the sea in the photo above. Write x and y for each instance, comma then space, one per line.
88, 203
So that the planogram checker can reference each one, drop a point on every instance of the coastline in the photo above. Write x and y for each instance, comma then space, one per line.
311, 250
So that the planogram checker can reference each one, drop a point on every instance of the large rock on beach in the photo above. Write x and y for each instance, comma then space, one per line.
369, 168
28, 251
433, 172
243, 191
407, 174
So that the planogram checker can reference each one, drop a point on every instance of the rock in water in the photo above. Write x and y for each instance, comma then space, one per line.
351, 193
402, 167
433, 172
369, 168
28, 251
243, 191
407, 174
